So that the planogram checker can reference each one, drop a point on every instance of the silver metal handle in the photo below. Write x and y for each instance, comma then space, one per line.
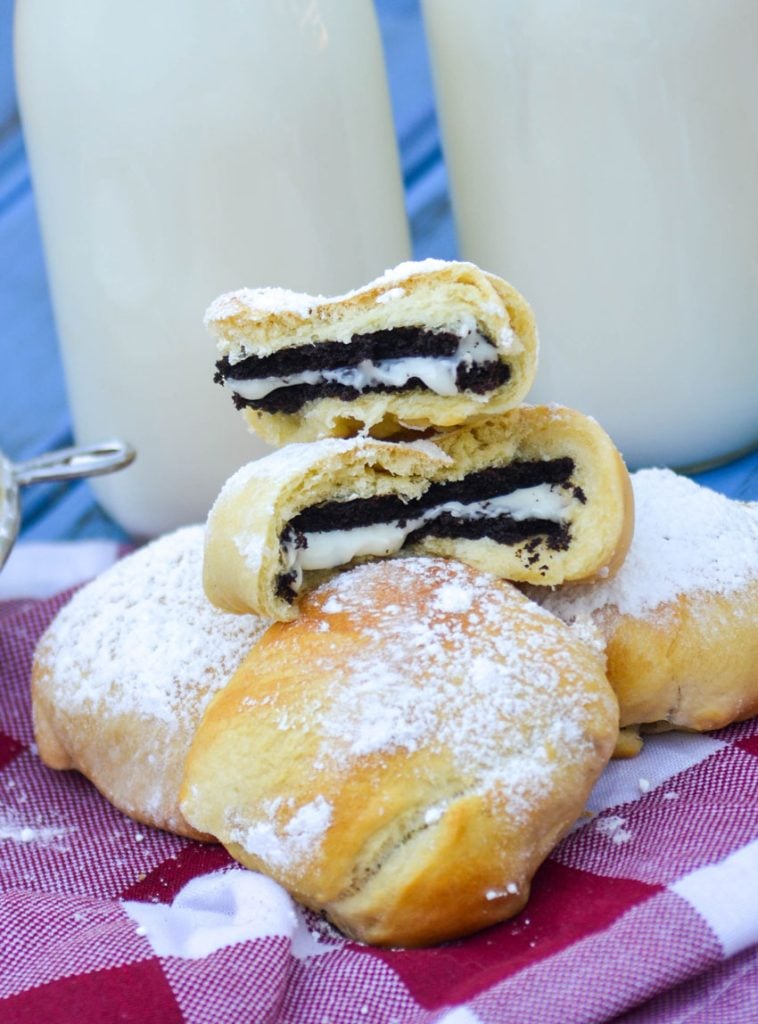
65, 464
71, 463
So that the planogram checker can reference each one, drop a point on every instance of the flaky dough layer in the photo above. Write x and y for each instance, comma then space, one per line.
433, 294
124, 672
406, 753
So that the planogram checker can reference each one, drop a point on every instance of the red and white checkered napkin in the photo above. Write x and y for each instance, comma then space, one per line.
647, 912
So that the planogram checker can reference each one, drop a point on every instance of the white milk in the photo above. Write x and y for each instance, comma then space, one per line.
604, 158
179, 150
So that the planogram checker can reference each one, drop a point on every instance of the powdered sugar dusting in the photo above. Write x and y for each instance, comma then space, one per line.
584, 628
614, 828
408, 269
294, 841
453, 598
23, 833
258, 303
144, 639
482, 688
687, 538
388, 296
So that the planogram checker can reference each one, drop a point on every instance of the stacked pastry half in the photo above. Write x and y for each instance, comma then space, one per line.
424, 369
340, 677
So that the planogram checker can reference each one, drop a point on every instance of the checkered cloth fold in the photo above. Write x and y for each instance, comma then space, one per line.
647, 912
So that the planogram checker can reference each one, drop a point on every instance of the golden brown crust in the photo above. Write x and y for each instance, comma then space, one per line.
629, 743
680, 620
406, 753
433, 294
693, 666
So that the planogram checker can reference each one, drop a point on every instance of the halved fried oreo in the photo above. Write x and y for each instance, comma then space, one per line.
428, 345
539, 494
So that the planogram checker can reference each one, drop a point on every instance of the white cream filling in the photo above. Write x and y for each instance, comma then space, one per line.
330, 548
438, 373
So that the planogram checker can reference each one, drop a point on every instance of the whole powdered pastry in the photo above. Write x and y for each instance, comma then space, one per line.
404, 755
124, 672
680, 618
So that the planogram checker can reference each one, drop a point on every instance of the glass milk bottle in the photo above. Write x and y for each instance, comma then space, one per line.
603, 157
179, 150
